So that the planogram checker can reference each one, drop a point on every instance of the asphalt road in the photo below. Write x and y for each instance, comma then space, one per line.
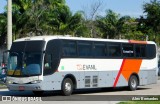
107, 94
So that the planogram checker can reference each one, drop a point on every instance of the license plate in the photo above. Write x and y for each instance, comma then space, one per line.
21, 88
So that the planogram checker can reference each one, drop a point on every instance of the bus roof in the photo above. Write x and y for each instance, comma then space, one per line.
47, 38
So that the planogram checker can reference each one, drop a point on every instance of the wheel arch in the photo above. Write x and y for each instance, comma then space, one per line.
135, 74
72, 77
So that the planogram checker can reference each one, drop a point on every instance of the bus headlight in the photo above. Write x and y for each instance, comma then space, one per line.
9, 82
36, 81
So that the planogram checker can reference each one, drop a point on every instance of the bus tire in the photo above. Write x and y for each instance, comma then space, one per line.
133, 83
38, 93
67, 87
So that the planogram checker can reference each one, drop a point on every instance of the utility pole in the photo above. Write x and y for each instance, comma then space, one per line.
9, 24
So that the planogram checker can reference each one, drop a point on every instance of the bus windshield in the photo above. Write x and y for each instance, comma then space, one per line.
25, 62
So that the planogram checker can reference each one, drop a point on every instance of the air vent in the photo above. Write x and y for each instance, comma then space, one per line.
87, 81
95, 81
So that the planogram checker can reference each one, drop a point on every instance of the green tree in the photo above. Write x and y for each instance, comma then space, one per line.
20, 17
108, 24
122, 26
152, 22
3, 28
64, 22
43, 17
131, 30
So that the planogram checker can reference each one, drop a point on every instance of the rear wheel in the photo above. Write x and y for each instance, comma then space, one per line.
133, 83
67, 87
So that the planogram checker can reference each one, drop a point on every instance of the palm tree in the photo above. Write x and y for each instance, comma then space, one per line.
20, 16
42, 17
108, 24
3, 28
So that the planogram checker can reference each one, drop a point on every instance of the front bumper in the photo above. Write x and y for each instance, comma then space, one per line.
24, 87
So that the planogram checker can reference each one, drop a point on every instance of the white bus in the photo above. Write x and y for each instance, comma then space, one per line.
48, 63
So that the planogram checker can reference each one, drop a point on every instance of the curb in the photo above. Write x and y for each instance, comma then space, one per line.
2, 86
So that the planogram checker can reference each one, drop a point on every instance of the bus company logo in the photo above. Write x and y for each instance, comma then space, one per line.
86, 67
13, 98
79, 67
6, 98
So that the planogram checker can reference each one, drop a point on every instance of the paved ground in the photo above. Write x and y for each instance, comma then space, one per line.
93, 94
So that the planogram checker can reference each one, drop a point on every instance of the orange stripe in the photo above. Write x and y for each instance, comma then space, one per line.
131, 66
119, 73
128, 67
138, 42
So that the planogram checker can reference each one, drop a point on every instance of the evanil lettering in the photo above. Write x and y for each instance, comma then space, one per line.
86, 67
89, 67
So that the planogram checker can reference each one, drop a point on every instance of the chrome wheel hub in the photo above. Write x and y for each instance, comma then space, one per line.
133, 83
68, 87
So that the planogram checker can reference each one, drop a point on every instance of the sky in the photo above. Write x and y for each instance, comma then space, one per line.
133, 8
3, 3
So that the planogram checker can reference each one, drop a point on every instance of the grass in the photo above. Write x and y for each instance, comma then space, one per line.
140, 102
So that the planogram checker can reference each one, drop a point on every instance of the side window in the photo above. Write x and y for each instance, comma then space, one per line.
69, 48
48, 64
85, 49
151, 51
140, 51
99, 50
52, 56
114, 49
127, 50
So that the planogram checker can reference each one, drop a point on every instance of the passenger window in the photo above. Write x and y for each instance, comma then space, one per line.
151, 51
85, 49
127, 50
140, 51
69, 48
114, 49
99, 50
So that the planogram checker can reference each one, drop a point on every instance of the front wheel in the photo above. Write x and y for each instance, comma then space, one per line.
133, 83
67, 87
